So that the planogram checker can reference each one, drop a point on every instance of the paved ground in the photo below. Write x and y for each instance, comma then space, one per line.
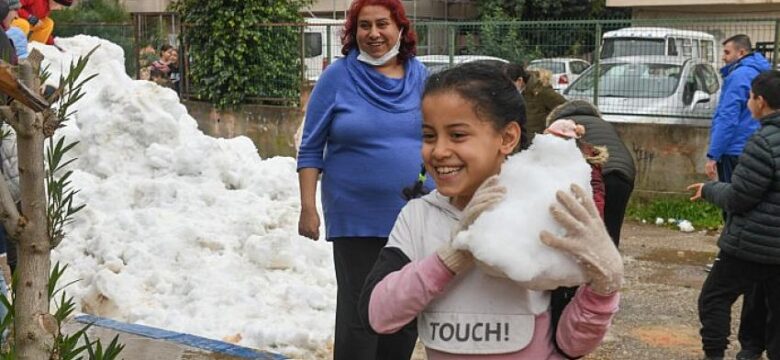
658, 318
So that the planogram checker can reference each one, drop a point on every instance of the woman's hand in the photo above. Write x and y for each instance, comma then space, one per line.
587, 240
309, 223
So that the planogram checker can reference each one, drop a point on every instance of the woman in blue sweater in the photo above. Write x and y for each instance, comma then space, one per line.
363, 133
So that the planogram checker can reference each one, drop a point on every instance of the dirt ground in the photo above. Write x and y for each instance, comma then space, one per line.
658, 317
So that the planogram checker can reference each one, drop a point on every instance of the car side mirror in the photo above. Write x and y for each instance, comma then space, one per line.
699, 97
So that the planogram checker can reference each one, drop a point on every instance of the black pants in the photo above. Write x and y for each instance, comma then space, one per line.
617, 190
752, 322
354, 258
731, 277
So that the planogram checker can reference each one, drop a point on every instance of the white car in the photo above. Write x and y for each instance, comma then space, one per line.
436, 63
564, 70
652, 89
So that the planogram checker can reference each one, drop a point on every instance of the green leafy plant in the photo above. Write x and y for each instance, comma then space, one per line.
66, 346
701, 214
235, 55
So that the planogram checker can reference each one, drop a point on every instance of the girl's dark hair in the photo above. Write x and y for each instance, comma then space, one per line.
767, 86
418, 189
493, 94
165, 48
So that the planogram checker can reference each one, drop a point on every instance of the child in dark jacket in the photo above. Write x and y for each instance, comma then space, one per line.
749, 245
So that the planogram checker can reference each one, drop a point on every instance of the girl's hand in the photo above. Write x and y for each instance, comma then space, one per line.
309, 223
487, 195
587, 240
697, 191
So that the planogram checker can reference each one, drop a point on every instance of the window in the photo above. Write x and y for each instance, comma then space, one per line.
614, 47
671, 47
686, 46
577, 67
555, 67
630, 80
707, 50
709, 77
312, 44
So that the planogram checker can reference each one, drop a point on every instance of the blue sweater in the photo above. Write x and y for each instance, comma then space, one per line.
733, 124
364, 131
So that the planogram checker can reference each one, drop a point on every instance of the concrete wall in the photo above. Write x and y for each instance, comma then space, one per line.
668, 158
272, 129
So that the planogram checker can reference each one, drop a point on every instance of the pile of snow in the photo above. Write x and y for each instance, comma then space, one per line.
507, 237
184, 231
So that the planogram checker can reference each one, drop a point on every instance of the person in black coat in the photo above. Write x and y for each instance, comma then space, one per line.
618, 172
749, 256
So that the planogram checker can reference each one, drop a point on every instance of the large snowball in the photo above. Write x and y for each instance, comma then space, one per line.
507, 237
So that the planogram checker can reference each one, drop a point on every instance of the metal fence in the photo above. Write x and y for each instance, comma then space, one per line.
663, 71
656, 71
120, 34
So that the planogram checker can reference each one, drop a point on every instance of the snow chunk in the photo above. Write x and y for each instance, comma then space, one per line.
507, 237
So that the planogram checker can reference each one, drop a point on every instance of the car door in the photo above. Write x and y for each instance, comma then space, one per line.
699, 77
577, 68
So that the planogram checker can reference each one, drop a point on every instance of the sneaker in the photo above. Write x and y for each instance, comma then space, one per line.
708, 267
746, 354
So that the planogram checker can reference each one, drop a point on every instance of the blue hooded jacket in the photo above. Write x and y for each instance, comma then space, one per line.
733, 124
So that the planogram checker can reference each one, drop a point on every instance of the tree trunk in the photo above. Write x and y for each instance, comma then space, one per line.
31, 307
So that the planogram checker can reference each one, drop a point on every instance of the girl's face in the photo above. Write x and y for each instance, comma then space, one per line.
377, 33
460, 150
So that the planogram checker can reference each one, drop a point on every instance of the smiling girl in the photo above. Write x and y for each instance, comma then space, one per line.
470, 125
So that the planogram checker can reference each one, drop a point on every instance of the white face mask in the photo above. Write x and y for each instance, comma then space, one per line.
368, 59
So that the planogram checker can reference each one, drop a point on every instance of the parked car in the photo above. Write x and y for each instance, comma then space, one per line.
652, 89
633, 41
564, 70
436, 63
320, 36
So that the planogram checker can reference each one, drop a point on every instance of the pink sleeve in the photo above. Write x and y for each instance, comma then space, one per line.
403, 294
585, 321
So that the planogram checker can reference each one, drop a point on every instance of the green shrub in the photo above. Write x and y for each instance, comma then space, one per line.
234, 55
92, 11
700, 213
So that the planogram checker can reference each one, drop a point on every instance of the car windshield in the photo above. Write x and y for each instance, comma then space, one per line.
614, 47
630, 80
555, 67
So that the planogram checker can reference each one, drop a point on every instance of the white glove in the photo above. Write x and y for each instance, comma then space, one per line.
487, 195
587, 240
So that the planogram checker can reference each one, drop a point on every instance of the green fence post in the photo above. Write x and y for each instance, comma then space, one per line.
302, 82
775, 50
451, 43
328, 43
596, 63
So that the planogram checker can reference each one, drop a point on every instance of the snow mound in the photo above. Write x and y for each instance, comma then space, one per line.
181, 230
507, 237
